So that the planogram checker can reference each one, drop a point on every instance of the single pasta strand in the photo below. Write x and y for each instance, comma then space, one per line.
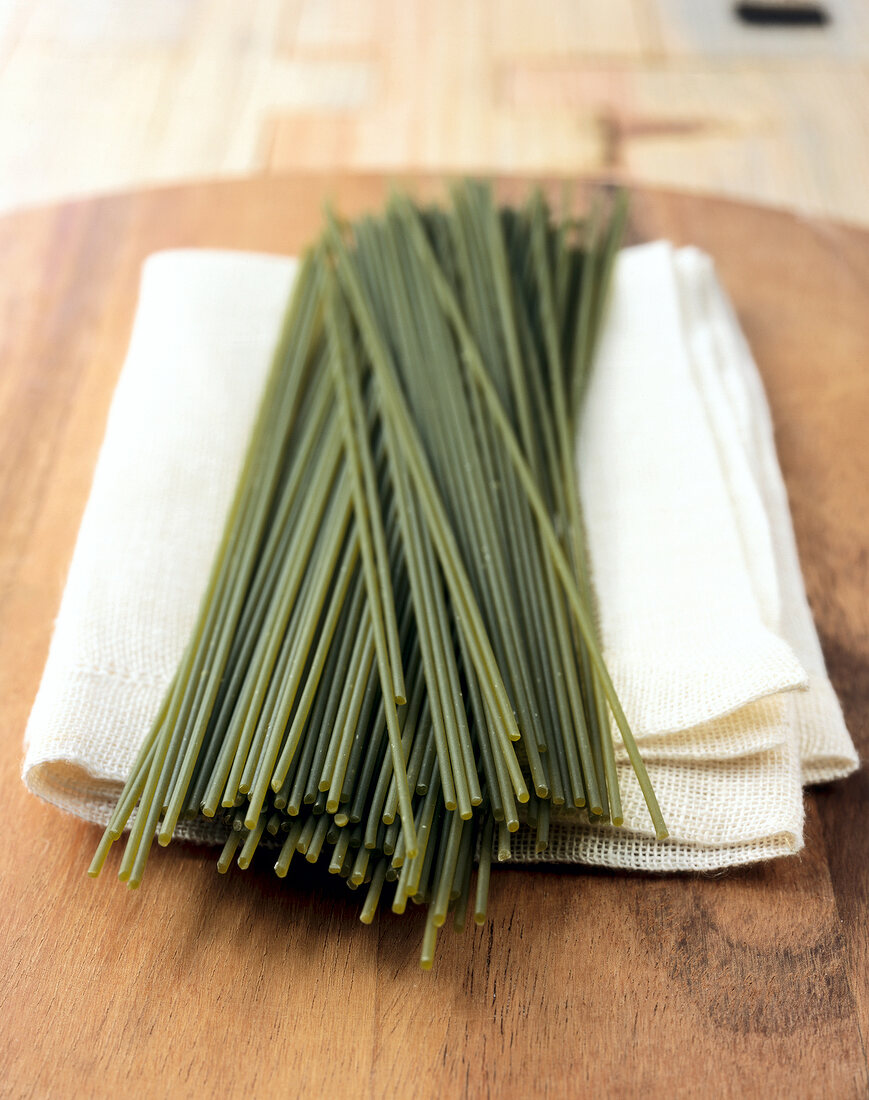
483, 873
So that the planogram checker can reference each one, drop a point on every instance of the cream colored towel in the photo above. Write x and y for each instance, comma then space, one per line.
702, 607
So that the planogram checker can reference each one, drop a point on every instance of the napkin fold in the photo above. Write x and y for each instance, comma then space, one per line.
701, 604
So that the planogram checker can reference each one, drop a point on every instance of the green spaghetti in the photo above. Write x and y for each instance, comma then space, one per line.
395, 665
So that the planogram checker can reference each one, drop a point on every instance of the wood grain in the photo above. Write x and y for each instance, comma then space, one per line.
97, 94
746, 984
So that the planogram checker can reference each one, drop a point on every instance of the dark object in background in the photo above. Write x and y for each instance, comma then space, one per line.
775, 13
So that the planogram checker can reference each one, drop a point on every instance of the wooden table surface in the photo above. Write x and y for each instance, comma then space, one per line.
750, 983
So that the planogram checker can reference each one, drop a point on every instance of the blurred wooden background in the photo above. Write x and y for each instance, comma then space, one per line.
104, 94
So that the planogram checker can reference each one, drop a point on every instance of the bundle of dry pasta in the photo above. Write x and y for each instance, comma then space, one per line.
395, 661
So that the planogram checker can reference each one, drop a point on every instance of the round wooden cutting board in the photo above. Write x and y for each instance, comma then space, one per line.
750, 983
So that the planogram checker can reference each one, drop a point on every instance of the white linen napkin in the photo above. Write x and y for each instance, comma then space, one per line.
702, 608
